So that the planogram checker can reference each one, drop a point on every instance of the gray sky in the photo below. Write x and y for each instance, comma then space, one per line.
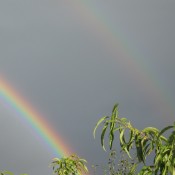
72, 60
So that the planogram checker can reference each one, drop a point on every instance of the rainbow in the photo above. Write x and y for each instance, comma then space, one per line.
124, 54
119, 47
10, 97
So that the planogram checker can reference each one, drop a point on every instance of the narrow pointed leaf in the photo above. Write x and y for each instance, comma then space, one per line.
103, 134
164, 129
98, 123
115, 108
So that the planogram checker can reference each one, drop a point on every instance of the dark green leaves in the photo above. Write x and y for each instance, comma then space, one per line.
108, 122
98, 123
144, 143
164, 130
146, 170
103, 134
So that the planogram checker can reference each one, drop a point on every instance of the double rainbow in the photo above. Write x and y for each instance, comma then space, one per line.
118, 46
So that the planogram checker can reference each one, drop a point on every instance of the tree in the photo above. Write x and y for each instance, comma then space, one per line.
136, 144
144, 142
71, 165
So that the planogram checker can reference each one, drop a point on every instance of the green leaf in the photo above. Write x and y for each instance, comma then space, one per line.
121, 136
115, 110
131, 137
124, 120
139, 148
133, 169
98, 123
112, 129
164, 129
158, 158
146, 150
111, 139
124, 144
150, 130
103, 134
146, 170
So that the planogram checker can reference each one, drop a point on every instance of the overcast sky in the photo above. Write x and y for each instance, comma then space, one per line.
73, 60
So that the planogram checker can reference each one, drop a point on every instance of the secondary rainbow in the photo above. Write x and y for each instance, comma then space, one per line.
10, 97
124, 53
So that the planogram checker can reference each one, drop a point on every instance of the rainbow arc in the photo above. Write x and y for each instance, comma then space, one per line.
39, 124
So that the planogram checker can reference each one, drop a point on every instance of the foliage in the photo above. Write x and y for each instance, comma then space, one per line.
8, 173
136, 145
144, 142
71, 165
